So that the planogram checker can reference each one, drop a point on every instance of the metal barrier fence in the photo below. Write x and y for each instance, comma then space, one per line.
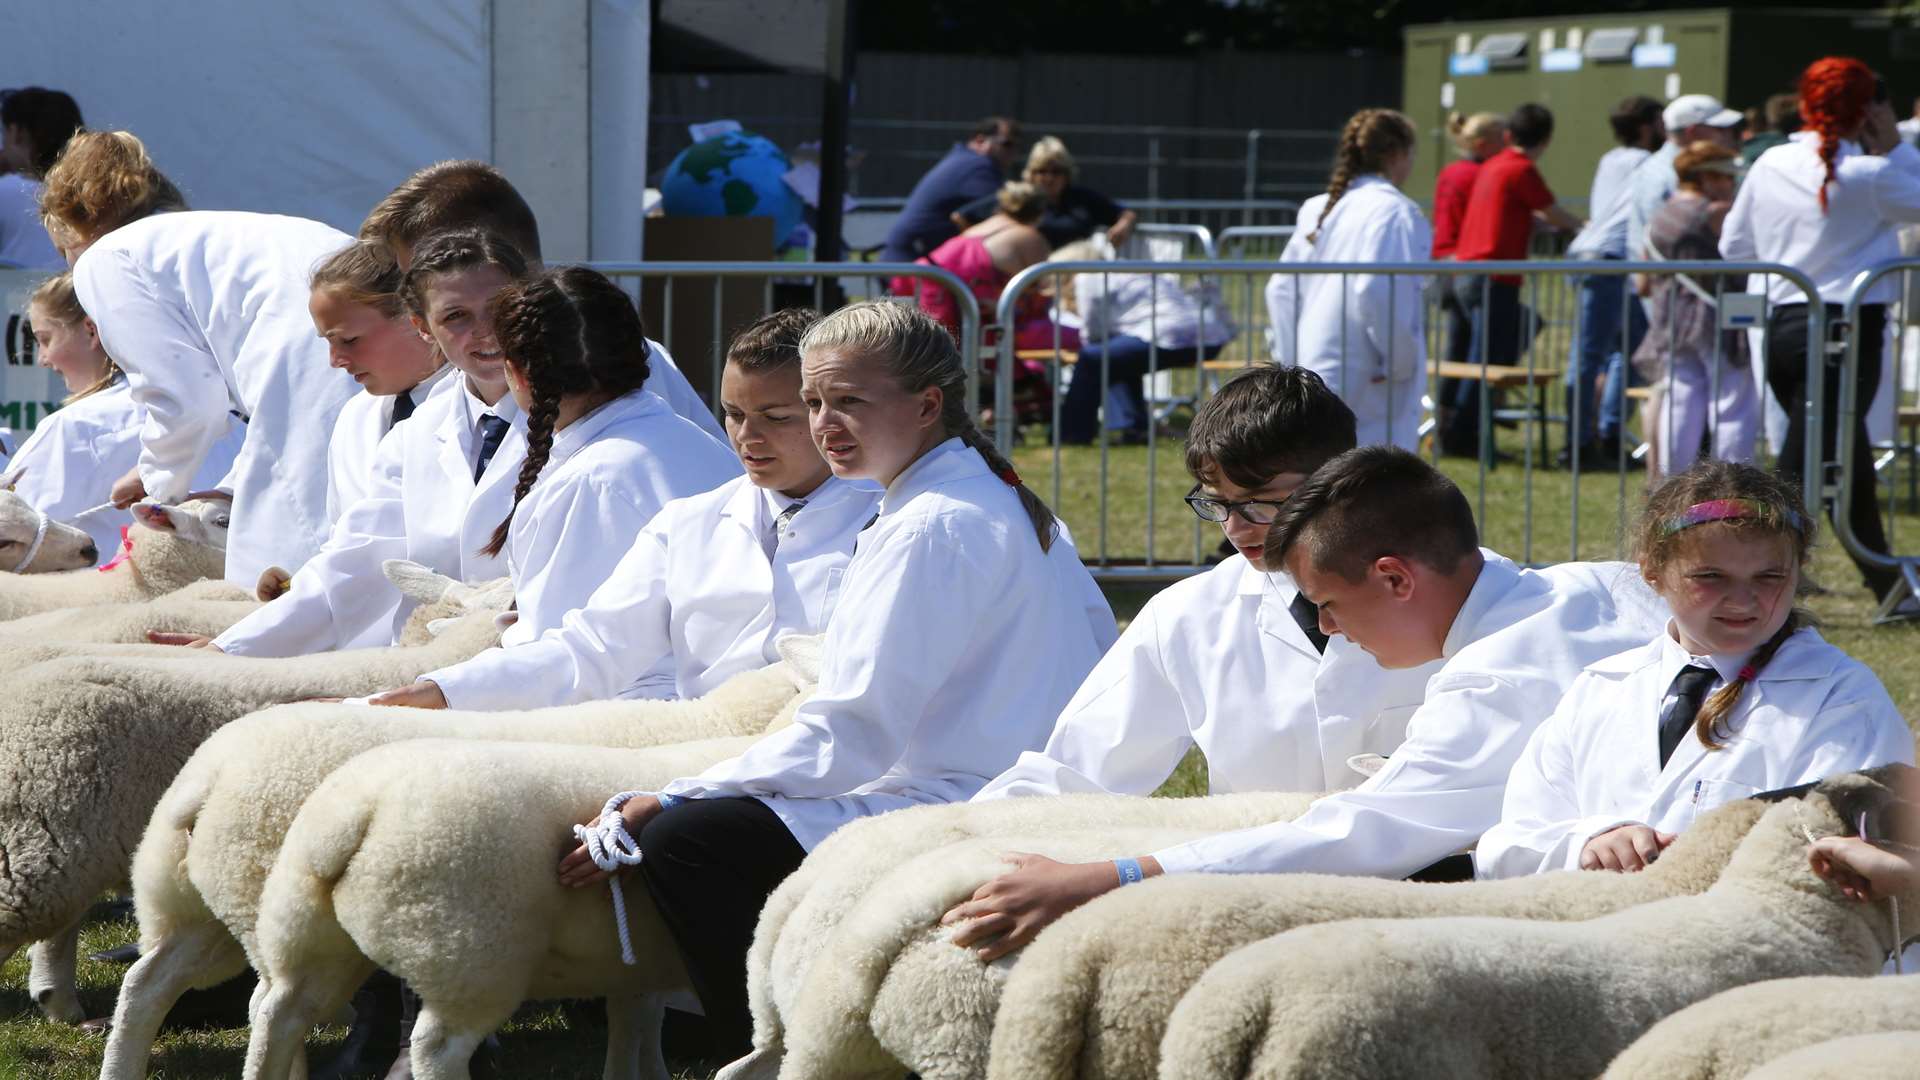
1906, 568
1215, 215
1123, 540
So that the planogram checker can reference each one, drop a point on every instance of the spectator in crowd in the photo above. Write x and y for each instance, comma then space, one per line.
970, 170
1072, 212
1477, 138
1610, 320
1781, 118
986, 256
1508, 196
1689, 118
1705, 391
35, 124
1829, 202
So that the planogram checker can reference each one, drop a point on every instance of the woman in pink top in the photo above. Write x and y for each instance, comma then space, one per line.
986, 256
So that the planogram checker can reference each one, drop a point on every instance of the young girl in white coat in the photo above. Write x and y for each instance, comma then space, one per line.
206, 312
603, 453
715, 578
66, 469
1365, 334
1738, 696
965, 623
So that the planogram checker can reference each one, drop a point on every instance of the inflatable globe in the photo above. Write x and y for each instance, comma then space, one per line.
733, 175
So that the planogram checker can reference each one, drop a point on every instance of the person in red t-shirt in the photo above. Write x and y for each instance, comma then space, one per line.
1477, 137
1508, 196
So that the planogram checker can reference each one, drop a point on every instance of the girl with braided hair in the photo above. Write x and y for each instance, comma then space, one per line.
1828, 202
1364, 334
1738, 696
965, 623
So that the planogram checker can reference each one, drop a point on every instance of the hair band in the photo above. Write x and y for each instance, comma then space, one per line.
1011, 478
1727, 510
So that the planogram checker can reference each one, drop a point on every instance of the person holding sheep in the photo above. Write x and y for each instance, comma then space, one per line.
1387, 548
965, 622
715, 578
1232, 661
1738, 695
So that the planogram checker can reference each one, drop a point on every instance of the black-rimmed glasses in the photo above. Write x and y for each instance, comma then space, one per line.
1251, 511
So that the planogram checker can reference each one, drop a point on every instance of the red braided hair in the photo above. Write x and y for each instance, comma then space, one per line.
1834, 95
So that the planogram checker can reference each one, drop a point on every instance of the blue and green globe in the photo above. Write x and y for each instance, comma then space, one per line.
733, 175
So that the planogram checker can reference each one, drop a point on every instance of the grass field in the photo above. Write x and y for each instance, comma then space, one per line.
1528, 519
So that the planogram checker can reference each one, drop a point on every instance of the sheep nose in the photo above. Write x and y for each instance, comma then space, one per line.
90, 553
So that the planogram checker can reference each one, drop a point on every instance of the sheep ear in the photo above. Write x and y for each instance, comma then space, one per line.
1865, 795
417, 582
154, 516
804, 654
495, 595
1367, 764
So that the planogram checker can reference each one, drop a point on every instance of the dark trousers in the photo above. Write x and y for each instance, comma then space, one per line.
1787, 378
1493, 310
1125, 359
710, 866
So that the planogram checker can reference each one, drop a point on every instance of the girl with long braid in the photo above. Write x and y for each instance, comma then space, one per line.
1828, 202
964, 624
1739, 695
1364, 334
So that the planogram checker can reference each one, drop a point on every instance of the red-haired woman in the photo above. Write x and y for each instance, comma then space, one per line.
1827, 202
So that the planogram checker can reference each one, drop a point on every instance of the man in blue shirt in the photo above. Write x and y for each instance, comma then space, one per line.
970, 170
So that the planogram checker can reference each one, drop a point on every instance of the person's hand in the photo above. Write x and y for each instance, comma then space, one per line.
424, 694
273, 583
1860, 870
190, 641
577, 869
1624, 848
1117, 234
1009, 911
1881, 131
128, 490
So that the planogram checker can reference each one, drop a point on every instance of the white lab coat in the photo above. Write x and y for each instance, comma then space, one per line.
1812, 712
70, 462
665, 380
363, 422
424, 506
206, 311
1217, 661
953, 646
1364, 334
608, 474
695, 601
1516, 645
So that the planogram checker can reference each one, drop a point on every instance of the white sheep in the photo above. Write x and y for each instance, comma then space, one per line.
1889, 1055
1489, 997
205, 607
88, 743
1729, 1035
437, 860
198, 874
33, 543
169, 548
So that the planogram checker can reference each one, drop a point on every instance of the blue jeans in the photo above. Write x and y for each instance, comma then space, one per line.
1125, 359
1607, 307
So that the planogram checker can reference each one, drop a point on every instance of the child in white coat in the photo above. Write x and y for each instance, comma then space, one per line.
1738, 695
67, 468
206, 312
715, 578
1365, 334
965, 622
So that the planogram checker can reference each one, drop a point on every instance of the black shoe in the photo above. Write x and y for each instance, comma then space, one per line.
374, 1038
124, 954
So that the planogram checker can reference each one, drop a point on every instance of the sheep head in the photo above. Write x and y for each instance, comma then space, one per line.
1881, 804
174, 545
441, 599
32, 543
803, 655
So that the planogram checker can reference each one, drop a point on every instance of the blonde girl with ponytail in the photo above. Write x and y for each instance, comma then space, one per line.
964, 624
1738, 696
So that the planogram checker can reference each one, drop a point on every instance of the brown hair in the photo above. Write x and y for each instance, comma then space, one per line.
1369, 503
1368, 140
918, 352
1700, 158
1021, 201
454, 195
56, 297
101, 181
570, 332
362, 273
1656, 546
450, 253
773, 341
1273, 419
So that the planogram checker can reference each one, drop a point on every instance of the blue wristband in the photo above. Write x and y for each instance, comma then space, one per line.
668, 802
1130, 871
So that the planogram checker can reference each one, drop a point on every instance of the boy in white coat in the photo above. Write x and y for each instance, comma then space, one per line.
715, 578
1232, 661
1735, 697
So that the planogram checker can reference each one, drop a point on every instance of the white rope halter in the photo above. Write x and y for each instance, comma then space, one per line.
39, 537
611, 848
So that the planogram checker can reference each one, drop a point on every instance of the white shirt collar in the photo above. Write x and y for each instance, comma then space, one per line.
1497, 577
506, 408
1674, 656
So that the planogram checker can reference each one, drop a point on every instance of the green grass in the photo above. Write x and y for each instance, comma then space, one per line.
538, 1043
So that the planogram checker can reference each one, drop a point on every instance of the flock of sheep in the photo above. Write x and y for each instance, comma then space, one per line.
316, 842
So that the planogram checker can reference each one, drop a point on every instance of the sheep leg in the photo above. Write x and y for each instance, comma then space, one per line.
439, 1051
200, 954
633, 1038
50, 980
761, 1063
286, 1009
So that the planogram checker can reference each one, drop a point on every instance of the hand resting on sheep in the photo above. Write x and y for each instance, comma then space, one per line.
1502, 998
171, 547
199, 872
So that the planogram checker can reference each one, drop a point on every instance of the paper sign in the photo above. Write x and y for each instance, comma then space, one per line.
1466, 64
1560, 60
1742, 311
1654, 55
712, 129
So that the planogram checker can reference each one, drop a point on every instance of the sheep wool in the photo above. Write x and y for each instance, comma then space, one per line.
1889, 1055
205, 608
1508, 998
1731, 1035
157, 562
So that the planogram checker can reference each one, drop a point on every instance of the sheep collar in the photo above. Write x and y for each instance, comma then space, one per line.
39, 538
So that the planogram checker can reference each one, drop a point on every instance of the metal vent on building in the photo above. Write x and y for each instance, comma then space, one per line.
1611, 44
1503, 50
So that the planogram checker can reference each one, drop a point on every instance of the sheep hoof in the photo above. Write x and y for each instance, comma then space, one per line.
61, 1005
763, 1063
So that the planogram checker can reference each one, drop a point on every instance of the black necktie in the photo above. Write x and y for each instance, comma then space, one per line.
1307, 614
1689, 692
492, 430
402, 408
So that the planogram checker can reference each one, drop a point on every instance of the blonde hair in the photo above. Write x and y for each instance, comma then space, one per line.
1466, 130
362, 273
1049, 152
1701, 158
57, 298
1021, 201
101, 181
918, 352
